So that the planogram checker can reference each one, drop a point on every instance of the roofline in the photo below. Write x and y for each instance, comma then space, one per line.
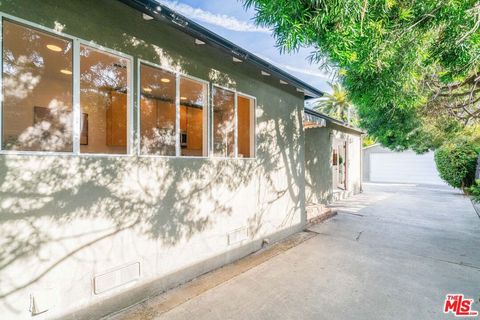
162, 13
333, 120
373, 145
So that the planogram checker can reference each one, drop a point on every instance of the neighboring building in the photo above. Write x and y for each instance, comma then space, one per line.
383, 165
138, 151
332, 159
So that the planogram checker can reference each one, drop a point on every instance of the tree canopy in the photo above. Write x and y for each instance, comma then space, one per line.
410, 67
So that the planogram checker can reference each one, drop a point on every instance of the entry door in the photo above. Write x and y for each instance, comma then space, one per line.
342, 166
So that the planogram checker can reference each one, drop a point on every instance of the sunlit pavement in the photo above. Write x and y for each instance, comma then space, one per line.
393, 252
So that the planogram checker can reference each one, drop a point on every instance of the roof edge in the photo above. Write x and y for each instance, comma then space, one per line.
333, 120
373, 145
162, 13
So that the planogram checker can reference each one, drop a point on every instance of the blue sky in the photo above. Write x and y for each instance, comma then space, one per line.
229, 19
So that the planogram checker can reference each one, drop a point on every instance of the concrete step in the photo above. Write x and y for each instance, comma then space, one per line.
317, 213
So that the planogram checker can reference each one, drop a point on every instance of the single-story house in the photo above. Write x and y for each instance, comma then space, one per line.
139, 150
333, 163
384, 165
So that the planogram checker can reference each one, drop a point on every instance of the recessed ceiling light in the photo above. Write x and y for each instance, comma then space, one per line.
199, 42
66, 71
54, 47
265, 73
183, 98
147, 89
283, 82
165, 80
236, 60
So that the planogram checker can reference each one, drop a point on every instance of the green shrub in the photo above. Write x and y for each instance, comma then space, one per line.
456, 162
474, 191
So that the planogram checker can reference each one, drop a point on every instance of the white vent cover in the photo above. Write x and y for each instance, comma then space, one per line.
116, 277
237, 235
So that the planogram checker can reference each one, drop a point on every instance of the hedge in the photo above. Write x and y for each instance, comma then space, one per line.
456, 162
474, 191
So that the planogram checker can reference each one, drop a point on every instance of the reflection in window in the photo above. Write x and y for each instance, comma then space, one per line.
193, 117
245, 114
223, 122
157, 111
37, 90
104, 101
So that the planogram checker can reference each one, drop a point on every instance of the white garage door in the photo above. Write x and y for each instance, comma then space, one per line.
405, 167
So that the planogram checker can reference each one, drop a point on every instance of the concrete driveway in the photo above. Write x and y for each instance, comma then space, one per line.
393, 252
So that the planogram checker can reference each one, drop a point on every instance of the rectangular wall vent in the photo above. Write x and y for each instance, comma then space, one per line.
237, 235
116, 277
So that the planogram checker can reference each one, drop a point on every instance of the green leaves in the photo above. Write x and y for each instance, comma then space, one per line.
474, 191
405, 14
386, 52
456, 162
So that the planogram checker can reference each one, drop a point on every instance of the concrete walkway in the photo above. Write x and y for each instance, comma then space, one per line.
393, 252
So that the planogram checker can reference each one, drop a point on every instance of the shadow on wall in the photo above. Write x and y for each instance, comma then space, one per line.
318, 170
44, 199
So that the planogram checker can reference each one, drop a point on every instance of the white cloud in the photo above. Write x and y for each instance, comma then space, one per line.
221, 20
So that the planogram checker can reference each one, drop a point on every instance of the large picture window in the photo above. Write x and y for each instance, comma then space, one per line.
223, 122
161, 107
246, 126
193, 117
233, 124
37, 90
104, 102
157, 111
62, 94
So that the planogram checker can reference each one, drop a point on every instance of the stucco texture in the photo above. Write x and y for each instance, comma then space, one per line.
66, 219
319, 184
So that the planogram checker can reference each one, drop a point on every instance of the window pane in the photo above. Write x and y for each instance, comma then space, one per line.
104, 101
193, 117
37, 90
157, 111
223, 122
246, 131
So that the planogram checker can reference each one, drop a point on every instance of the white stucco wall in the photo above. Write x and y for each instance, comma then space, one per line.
69, 221
319, 171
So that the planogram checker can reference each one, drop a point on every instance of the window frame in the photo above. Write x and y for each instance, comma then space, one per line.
253, 119
133, 109
178, 75
253, 131
76, 108
205, 115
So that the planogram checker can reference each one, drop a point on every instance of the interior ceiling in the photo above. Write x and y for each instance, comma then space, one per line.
29, 50
93, 57
154, 79
102, 69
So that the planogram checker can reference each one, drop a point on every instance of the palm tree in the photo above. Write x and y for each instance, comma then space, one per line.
336, 104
